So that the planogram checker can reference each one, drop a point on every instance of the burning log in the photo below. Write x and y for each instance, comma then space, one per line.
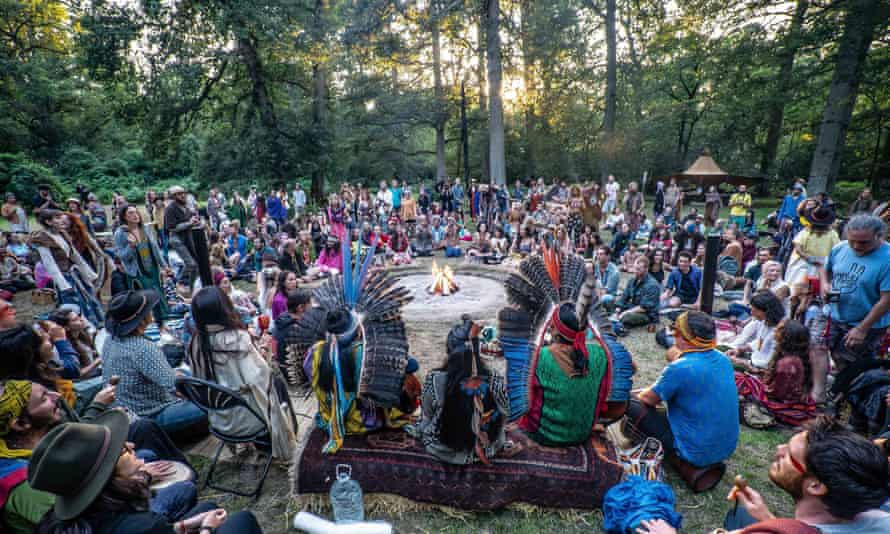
443, 281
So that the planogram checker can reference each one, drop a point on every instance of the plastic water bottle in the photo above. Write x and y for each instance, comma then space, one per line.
346, 497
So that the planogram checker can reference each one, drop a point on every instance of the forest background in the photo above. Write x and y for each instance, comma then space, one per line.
128, 95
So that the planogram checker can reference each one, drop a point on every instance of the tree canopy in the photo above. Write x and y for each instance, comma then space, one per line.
129, 95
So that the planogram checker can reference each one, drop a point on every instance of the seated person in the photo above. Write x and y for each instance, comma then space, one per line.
448, 408
620, 242
85, 467
285, 326
614, 220
305, 248
837, 479
629, 258
329, 261
29, 411
29, 354
785, 386
74, 344
698, 387
334, 382
752, 349
223, 352
638, 305
607, 277
14, 275
683, 284
423, 240
147, 382
452, 241
237, 250
729, 263
568, 388
400, 246
240, 299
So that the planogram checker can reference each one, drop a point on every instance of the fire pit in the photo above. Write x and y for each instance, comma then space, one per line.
443, 281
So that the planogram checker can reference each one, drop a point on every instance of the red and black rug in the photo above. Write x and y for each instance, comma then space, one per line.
395, 463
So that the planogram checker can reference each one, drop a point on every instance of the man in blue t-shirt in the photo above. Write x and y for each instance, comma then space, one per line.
858, 269
698, 387
396, 194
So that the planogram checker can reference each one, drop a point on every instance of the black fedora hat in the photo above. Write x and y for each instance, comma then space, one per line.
821, 216
128, 309
74, 461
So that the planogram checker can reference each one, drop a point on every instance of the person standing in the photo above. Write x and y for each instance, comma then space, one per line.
673, 195
864, 203
612, 189
739, 204
858, 275
43, 200
713, 203
658, 207
179, 222
299, 200
15, 215
136, 245
633, 206
788, 209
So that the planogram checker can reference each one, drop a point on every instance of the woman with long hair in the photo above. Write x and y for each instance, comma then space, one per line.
287, 281
222, 351
136, 245
336, 215
752, 349
74, 279
659, 269
453, 427
785, 387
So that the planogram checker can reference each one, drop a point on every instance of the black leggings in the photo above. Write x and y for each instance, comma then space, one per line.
650, 422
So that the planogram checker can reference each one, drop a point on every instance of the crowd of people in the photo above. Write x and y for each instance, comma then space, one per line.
800, 326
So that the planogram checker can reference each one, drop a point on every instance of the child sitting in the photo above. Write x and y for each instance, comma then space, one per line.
629, 257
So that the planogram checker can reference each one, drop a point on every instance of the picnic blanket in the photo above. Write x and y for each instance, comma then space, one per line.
392, 462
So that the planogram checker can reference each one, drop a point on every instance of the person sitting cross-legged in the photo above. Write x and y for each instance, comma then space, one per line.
683, 284
698, 387
638, 305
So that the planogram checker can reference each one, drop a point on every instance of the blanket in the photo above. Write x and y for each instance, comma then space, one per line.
392, 462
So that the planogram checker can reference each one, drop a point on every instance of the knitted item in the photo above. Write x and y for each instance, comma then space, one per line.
564, 411
627, 504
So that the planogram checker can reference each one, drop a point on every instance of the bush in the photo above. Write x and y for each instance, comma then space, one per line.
21, 175
846, 192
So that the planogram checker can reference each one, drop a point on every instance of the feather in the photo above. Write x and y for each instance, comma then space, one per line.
534, 270
366, 265
572, 275
551, 262
586, 297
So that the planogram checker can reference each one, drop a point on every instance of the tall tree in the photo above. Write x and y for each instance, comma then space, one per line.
441, 113
862, 18
779, 99
611, 99
497, 162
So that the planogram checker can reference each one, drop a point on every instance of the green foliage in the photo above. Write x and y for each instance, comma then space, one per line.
21, 175
846, 192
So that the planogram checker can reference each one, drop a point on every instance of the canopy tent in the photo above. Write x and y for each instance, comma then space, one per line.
705, 171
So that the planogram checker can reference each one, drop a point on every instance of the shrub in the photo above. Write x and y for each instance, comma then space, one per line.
21, 175
846, 192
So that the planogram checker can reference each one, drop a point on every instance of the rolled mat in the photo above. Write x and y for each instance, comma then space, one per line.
392, 462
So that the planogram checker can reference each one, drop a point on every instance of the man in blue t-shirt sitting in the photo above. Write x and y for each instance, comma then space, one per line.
683, 284
698, 386
858, 275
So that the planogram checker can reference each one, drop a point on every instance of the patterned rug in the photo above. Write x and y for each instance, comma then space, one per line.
392, 462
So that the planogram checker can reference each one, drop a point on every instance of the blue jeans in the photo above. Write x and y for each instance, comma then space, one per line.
182, 418
453, 252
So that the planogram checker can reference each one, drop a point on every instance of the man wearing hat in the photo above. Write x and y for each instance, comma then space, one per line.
43, 200
76, 462
179, 222
698, 386
28, 412
739, 204
147, 382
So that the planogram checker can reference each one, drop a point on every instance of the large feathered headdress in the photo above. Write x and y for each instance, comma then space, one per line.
374, 300
542, 283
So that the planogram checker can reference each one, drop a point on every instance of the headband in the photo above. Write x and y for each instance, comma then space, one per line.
577, 337
13, 402
682, 326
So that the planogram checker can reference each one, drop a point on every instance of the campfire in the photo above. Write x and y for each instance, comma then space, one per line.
443, 281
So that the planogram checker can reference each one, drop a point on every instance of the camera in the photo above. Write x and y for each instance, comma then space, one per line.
832, 297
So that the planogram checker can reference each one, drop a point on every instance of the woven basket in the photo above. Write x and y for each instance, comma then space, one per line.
43, 297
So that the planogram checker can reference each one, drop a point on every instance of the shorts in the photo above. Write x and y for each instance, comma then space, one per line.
843, 355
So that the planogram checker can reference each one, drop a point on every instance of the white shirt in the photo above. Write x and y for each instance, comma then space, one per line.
612, 191
384, 201
760, 338
299, 199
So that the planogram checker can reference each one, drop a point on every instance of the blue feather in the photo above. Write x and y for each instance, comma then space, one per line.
517, 353
355, 272
346, 253
360, 281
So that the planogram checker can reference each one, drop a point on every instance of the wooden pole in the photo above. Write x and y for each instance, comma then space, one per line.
709, 275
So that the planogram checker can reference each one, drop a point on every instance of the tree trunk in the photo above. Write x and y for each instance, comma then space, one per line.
529, 82
863, 16
498, 167
440, 115
783, 88
609, 145
483, 93
319, 111
464, 132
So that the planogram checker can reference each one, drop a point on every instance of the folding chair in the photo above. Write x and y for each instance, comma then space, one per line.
211, 398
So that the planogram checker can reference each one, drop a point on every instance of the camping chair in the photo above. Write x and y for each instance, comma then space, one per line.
211, 398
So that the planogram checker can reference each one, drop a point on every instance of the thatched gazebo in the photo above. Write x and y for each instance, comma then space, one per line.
704, 172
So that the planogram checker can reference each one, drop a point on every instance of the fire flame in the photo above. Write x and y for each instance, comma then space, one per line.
443, 281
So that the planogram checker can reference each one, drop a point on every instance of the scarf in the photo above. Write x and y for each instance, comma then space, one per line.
13, 402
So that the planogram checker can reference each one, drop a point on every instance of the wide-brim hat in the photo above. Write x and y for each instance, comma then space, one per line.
75, 461
175, 189
821, 216
128, 309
